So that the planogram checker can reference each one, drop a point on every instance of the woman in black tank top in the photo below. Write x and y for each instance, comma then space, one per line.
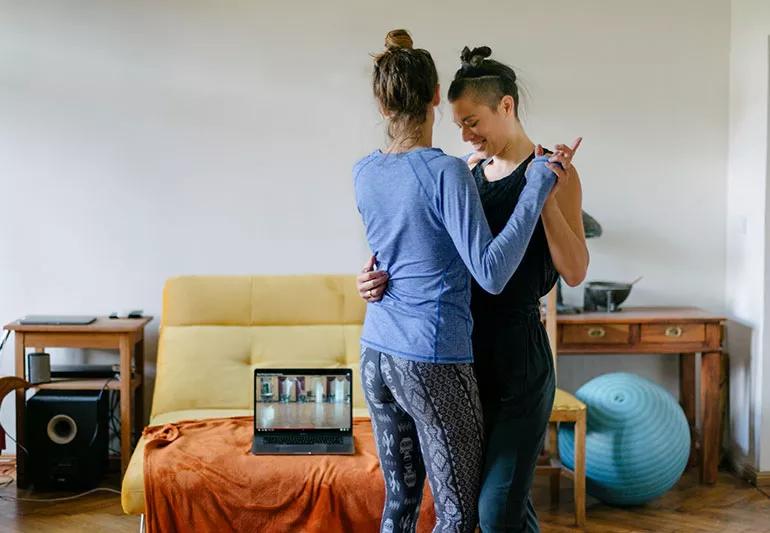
513, 360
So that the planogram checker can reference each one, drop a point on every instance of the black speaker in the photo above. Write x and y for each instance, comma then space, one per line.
67, 438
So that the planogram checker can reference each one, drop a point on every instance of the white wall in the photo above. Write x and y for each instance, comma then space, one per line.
140, 141
762, 392
747, 233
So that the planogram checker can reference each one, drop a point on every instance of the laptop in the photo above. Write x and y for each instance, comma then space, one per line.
57, 320
303, 411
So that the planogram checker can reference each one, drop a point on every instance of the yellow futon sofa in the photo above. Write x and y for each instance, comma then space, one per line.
215, 330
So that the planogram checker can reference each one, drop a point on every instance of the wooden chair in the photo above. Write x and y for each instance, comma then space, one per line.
8, 384
566, 408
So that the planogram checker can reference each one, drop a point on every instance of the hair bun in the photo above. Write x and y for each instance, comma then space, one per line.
473, 58
398, 39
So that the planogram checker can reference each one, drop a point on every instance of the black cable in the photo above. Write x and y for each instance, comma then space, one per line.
114, 419
101, 394
65, 498
14, 440
2, 344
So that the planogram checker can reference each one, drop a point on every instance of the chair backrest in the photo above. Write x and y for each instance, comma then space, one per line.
216, 329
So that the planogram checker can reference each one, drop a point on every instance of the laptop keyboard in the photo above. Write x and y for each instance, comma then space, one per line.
300, 439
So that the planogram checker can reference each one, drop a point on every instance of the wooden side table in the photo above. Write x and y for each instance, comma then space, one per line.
124, 335
683, 331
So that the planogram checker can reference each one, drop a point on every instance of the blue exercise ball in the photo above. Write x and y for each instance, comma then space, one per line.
637, 439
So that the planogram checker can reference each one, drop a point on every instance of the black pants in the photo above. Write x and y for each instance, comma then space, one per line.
426, 417
516, 379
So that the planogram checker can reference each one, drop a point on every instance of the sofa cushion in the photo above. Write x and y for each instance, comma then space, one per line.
261, 300
211, 367
564, 401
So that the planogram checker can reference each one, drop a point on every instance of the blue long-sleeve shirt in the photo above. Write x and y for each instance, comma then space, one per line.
425, 224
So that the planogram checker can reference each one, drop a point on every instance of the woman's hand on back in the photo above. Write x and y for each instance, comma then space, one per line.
371, 284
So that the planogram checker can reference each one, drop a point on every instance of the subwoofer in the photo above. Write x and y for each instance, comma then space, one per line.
67, 438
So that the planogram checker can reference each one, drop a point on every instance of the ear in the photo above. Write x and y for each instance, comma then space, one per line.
507, 106
437, 96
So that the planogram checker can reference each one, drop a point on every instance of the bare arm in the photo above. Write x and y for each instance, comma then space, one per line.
563, 217
371, 283
563, 222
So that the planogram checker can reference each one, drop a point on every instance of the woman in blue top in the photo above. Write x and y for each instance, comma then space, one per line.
513, 360
425, 223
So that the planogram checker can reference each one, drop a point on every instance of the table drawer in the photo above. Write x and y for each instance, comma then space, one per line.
596, 334
657, 333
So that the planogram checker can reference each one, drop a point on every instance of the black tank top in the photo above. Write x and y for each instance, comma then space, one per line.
536, 275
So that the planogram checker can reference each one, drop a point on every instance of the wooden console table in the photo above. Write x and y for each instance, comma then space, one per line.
124, 335
684, 331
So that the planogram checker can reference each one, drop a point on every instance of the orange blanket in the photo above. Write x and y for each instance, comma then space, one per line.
200, 476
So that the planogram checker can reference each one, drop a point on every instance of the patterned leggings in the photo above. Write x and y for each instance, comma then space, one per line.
425, 416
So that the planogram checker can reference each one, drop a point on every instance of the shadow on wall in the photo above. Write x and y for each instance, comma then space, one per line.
740, 429
151, 334
575, 370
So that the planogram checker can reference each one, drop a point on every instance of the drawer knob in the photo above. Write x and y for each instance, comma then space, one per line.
596, 332
674, 331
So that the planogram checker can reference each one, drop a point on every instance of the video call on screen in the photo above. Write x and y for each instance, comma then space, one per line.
298, 401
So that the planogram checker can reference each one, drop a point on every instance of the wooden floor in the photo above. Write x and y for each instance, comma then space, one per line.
730, 506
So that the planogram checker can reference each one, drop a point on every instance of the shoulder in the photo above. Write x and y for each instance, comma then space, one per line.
446, 164
437, 167
363, 163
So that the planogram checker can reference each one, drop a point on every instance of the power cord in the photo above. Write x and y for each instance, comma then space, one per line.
64, 499
2, 344
96, 429
14, 440
113, 421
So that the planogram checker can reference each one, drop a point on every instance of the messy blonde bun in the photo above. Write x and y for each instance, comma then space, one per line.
398, 39
404, 82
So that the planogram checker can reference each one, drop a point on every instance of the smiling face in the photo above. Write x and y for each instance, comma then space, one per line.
485, 128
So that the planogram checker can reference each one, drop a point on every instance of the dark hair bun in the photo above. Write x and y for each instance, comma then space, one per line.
473, 58
398, 39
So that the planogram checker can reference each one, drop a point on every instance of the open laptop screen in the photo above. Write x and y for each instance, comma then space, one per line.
302, 400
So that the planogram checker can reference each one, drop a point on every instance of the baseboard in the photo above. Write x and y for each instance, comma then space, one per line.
756, 477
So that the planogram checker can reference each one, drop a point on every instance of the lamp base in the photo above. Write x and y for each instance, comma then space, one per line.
567, 310
561, 307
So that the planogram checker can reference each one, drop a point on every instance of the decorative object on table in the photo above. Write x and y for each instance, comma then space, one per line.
606, 295
592, 229
637, 442
133, 313
39, 367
